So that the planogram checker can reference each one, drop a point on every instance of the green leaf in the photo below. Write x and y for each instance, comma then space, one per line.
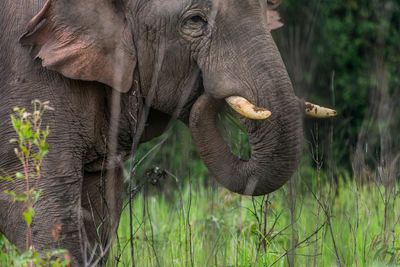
36, 195
16, 123
27, 130
16, 197
24, 258
10, 193
7, 178
28, 215
19, 175
24, 150
44, 147
21, 197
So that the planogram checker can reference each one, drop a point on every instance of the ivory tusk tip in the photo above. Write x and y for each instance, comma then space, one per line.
247, 109
315, 111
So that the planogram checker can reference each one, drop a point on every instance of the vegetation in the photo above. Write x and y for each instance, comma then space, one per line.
345, 53
31, 148
200, 226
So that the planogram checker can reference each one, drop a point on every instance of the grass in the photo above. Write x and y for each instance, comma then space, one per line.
200, 226
7, 252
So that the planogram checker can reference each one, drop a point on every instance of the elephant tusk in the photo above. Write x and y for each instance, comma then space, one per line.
247, 109
315, 111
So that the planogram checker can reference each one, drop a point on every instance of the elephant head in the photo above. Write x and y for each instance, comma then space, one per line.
187, 58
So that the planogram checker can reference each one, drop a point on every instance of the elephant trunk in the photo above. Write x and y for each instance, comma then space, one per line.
275, 142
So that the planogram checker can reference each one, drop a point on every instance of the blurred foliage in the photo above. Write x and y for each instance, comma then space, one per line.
346, 54
173, 151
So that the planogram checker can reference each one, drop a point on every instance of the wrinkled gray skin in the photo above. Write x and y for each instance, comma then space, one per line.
181, 58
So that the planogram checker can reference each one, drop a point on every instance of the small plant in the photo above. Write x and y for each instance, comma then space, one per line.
31, 149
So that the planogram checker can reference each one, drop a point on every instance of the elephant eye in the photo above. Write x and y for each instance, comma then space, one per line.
197, 19
194, 25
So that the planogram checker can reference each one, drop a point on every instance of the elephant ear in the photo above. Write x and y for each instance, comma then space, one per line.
273, 18
84, 40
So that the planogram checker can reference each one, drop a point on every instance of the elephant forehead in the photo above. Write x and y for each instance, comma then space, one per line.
171, 8
157, 11
237, 8
165, 8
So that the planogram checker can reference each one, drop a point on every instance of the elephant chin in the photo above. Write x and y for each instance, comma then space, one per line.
275, 148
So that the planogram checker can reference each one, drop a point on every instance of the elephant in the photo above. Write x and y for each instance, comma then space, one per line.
116, 72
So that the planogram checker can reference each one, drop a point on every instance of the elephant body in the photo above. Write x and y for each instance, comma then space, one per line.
107, 67
74, 181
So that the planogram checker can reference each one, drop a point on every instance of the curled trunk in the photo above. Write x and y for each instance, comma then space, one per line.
275, 147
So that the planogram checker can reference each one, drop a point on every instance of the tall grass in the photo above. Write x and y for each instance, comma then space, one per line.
202, 226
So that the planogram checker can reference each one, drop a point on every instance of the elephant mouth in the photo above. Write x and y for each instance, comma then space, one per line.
239, 104
248, 110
